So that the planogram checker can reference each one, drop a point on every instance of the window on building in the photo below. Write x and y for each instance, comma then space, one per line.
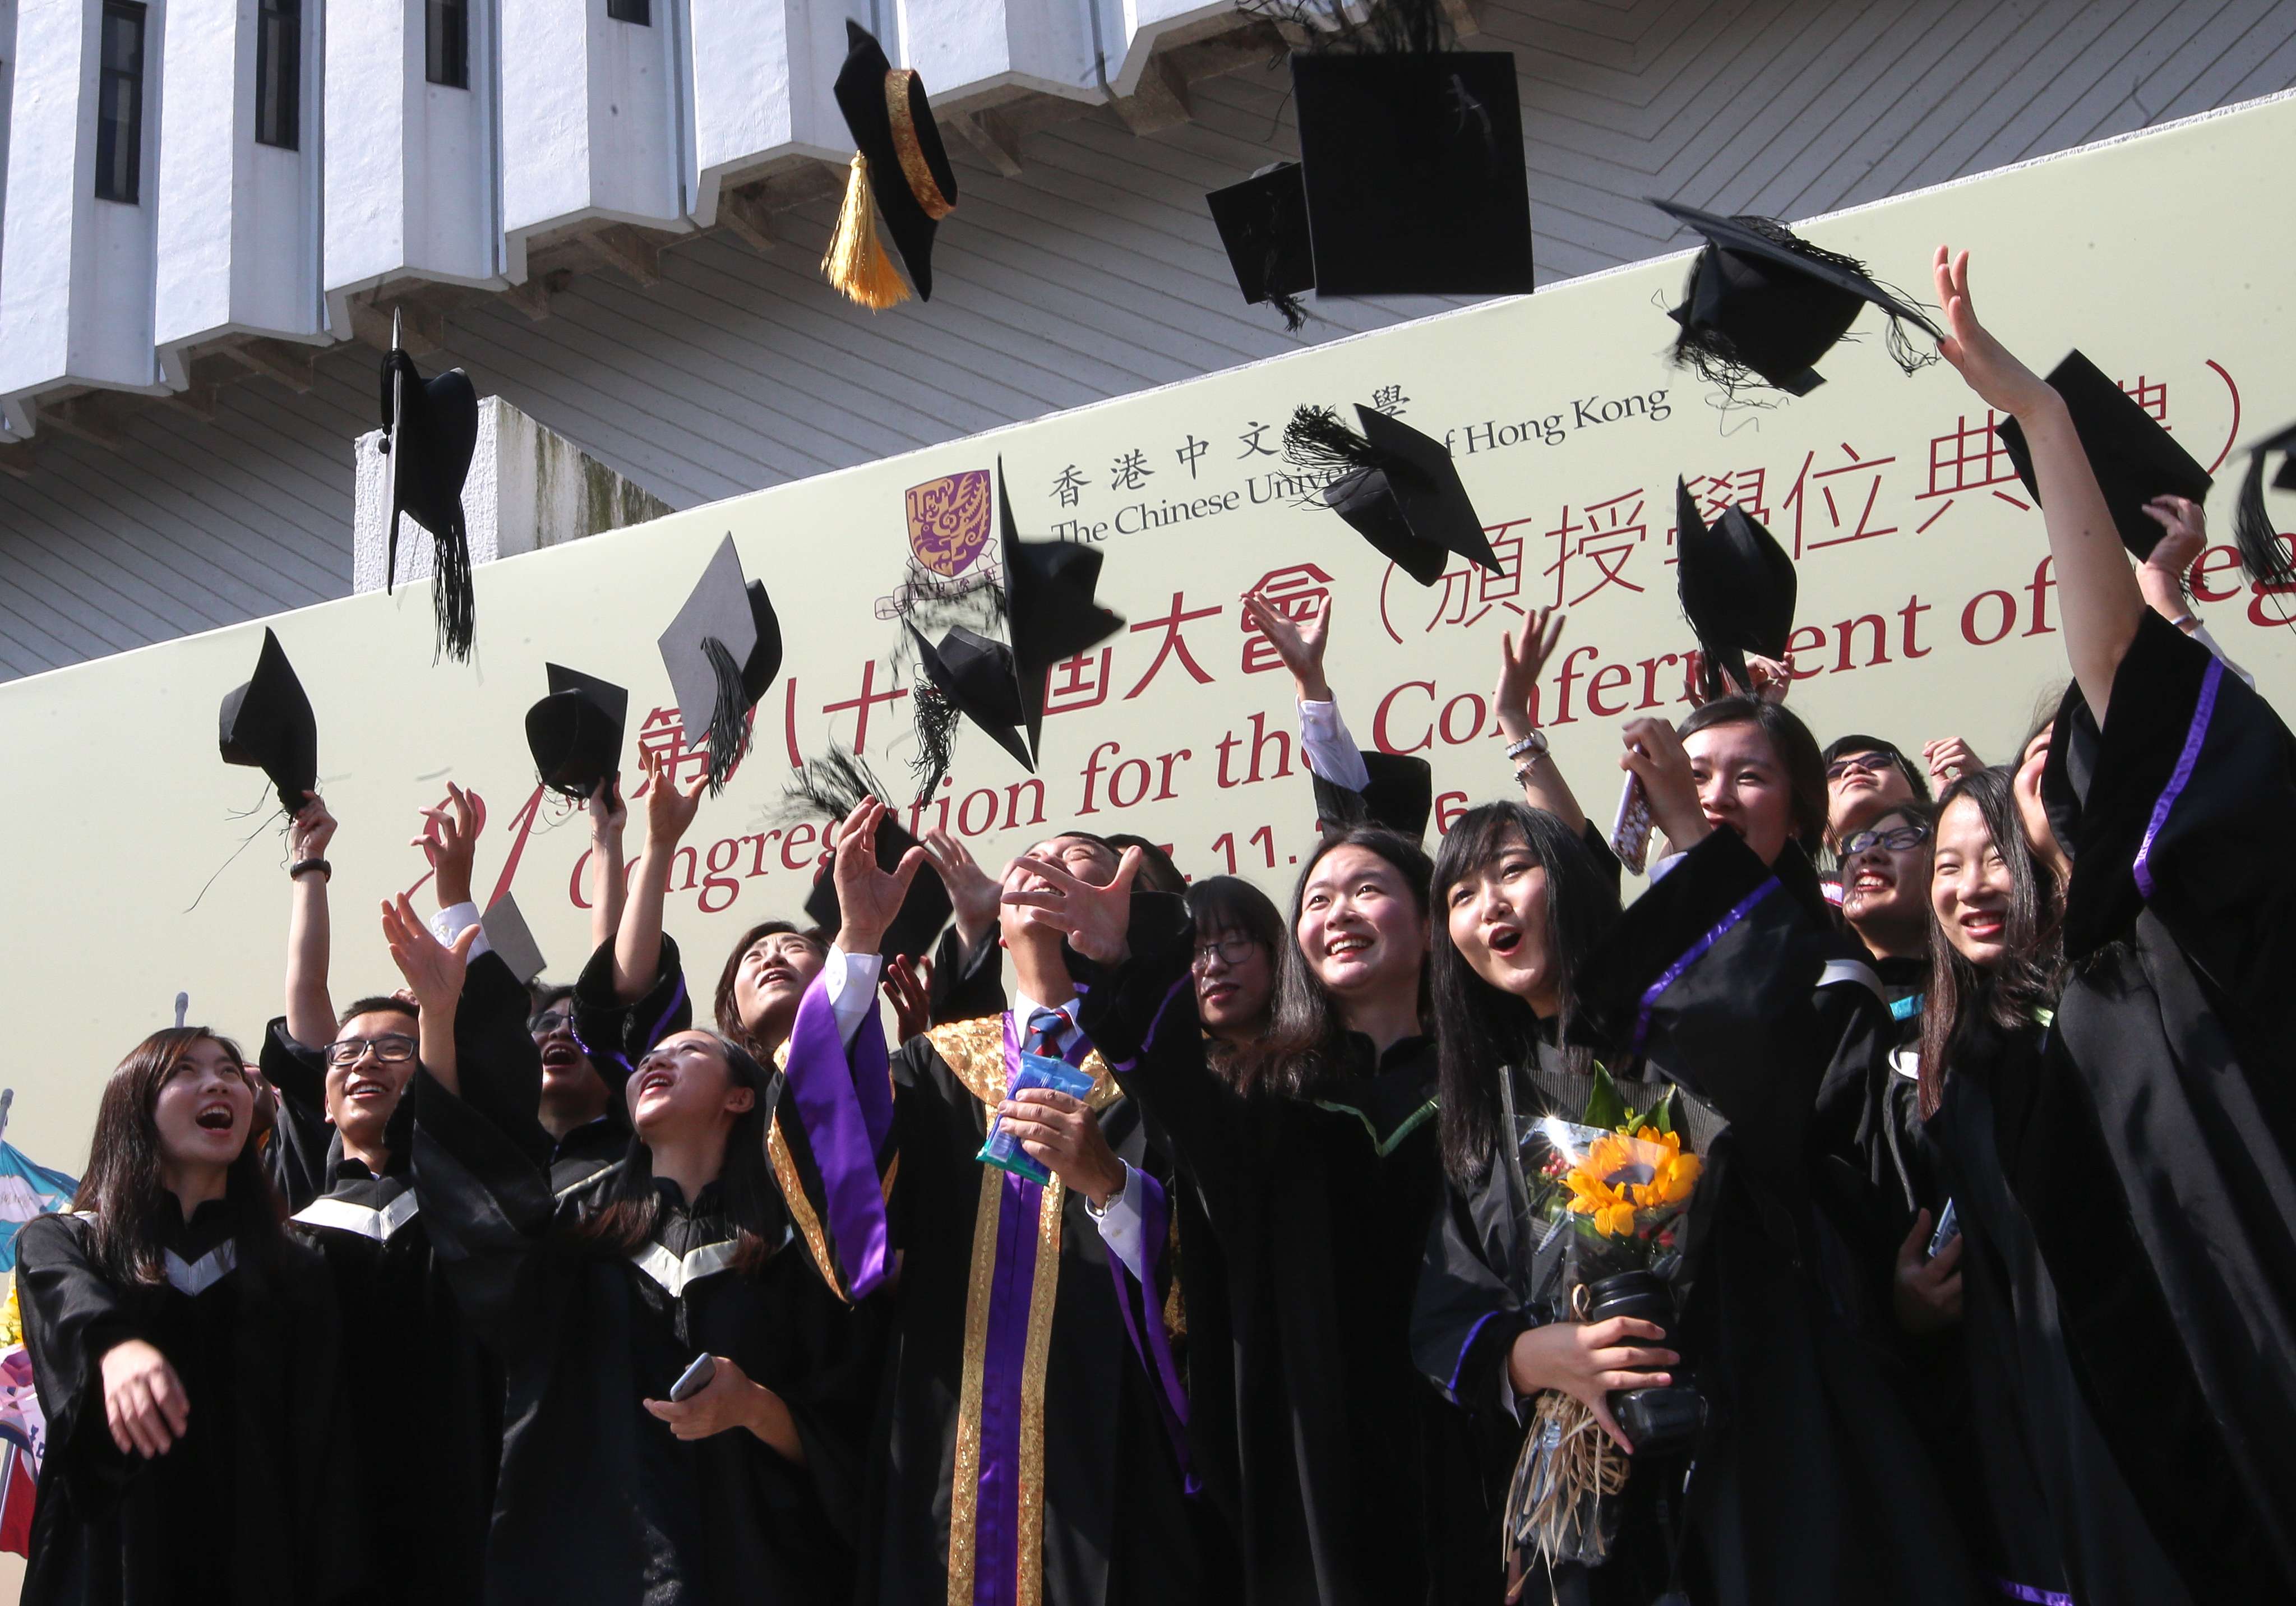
279, 73
119, 103
447, 42
640, 12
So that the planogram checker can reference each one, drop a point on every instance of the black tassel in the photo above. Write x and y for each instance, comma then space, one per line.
935, 719
452, 600
1317, 440
2262, 553
729, 725
832, 786
1295, 317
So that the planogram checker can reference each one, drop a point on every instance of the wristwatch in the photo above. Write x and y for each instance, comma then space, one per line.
1098, 1211
1531, 749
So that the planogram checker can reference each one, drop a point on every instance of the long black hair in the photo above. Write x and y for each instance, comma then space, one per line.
1304, 1040
1481, 1028
1797, 751
123, 1188
727, 1008
749, 1198
2032, 972
1228, 905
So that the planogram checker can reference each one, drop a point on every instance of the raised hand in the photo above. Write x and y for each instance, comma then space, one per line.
2001, 381
908, 987
1299, 643
1095, 920
143, 1400
2184, 537
1522, 657
609, 810
1057, 1132
972, 890
312, 829
1948, 758
434, 970
1655, 755
868, 898
668, 809
449, 841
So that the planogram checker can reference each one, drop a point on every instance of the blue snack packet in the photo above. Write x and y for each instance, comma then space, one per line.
1035, 1070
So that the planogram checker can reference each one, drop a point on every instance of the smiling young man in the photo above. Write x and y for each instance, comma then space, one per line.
1015, 1296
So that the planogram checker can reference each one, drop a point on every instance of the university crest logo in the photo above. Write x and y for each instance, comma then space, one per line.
949, 520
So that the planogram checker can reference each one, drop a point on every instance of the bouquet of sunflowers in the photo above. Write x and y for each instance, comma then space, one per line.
1607, 1196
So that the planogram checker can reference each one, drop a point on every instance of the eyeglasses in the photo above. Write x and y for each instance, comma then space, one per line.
1871, 764
392, 1048
553, 1020
1897, 839
1232, 950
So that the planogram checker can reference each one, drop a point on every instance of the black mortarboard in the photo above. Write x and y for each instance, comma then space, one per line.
1398, 487
1399, 795
575, 734
900, 160
1764, 299
2261, 552
2134, 458
1412, 168
267, 725
1051, 614
511, 939
1736, 586
431, 431
833, 786
1263, 224
722, 652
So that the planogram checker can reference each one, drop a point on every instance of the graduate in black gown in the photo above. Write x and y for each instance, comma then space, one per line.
428, 1413
584, 1117
598, 1303
185, 1350
2165, 1204
1024, 1451
1314, 1151
1730, 978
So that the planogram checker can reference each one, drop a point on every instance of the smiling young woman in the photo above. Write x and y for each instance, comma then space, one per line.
185, 1350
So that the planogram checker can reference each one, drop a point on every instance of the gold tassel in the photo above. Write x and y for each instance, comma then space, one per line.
856, 262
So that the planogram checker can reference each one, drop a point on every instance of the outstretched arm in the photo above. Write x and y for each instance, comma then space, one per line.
2101, 604
310, 1012
1331, 753
435, 972
1521, 659
638, 940
609, 812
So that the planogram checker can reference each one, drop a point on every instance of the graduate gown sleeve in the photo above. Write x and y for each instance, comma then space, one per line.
502, 1075
616, 1034
485, 1200
1466, 1313
73, 1316
301, 1139
968, 984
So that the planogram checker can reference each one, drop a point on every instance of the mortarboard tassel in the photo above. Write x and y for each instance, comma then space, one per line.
1315, 439
452, 600
729, 725
855, 261
833, 784
936, 716
2261, 552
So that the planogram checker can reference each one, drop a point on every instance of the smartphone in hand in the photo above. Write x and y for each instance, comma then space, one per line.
1630, 832
694, 1378
1948, 1228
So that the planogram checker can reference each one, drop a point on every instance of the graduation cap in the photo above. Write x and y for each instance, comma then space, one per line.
1400, 796
898, 160
1051, 614
1412, 171
1263, 225
431, 431
2134, 458
575, 734
1764, 300
267, 725
1736, 586
2261, 554
832, 786
511, 939
722, 652
1395, 485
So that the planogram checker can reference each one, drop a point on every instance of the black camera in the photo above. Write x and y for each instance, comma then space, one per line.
1657, 1422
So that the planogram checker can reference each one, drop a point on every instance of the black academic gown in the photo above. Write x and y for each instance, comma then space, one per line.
2058, 1517
253, 1505
2167, 1213
1115, 1522
1809, 1484
1489, 1278
1344, 1476
598, 1500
